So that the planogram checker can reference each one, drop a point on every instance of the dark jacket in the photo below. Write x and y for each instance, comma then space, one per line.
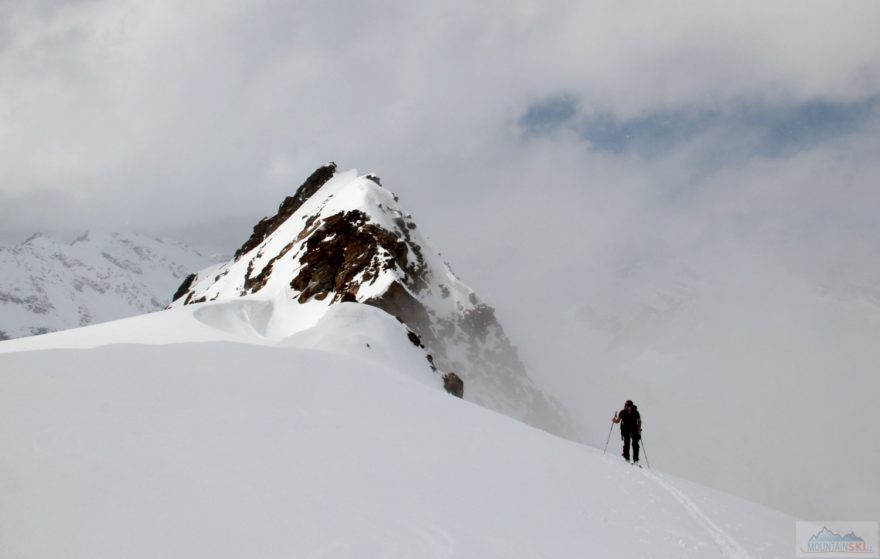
630, 421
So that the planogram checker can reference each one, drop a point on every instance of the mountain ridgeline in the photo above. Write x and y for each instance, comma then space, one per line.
343, 238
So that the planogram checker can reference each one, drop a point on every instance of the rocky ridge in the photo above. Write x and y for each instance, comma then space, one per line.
343, 238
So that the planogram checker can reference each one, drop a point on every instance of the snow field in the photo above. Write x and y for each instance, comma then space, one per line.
313, 446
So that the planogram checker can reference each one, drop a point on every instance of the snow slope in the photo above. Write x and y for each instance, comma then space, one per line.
49, 285
193, 434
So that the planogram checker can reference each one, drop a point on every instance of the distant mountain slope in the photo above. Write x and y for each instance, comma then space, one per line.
47, 285
343, 238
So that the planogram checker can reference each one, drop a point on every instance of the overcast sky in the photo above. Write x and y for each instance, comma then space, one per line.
200, 117
548, 148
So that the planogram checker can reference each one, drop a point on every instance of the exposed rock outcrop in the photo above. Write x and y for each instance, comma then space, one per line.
184, 287
453, 384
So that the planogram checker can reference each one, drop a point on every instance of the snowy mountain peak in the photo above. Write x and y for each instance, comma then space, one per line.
343, 238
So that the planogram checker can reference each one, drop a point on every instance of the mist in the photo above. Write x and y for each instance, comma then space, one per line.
675, 208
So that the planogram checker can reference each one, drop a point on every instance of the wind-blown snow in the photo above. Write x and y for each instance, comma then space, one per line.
191, 433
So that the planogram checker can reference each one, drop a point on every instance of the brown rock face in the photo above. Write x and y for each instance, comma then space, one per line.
268, 225
346, 247
453, 384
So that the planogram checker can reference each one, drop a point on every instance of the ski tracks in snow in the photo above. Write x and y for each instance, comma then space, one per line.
729, 546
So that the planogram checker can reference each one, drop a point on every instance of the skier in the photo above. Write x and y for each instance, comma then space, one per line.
630, 429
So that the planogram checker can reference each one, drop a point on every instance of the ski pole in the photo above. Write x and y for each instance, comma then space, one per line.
609, 437
645, 450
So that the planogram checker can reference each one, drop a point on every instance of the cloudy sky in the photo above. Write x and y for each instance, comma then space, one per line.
195, 116
566, 157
